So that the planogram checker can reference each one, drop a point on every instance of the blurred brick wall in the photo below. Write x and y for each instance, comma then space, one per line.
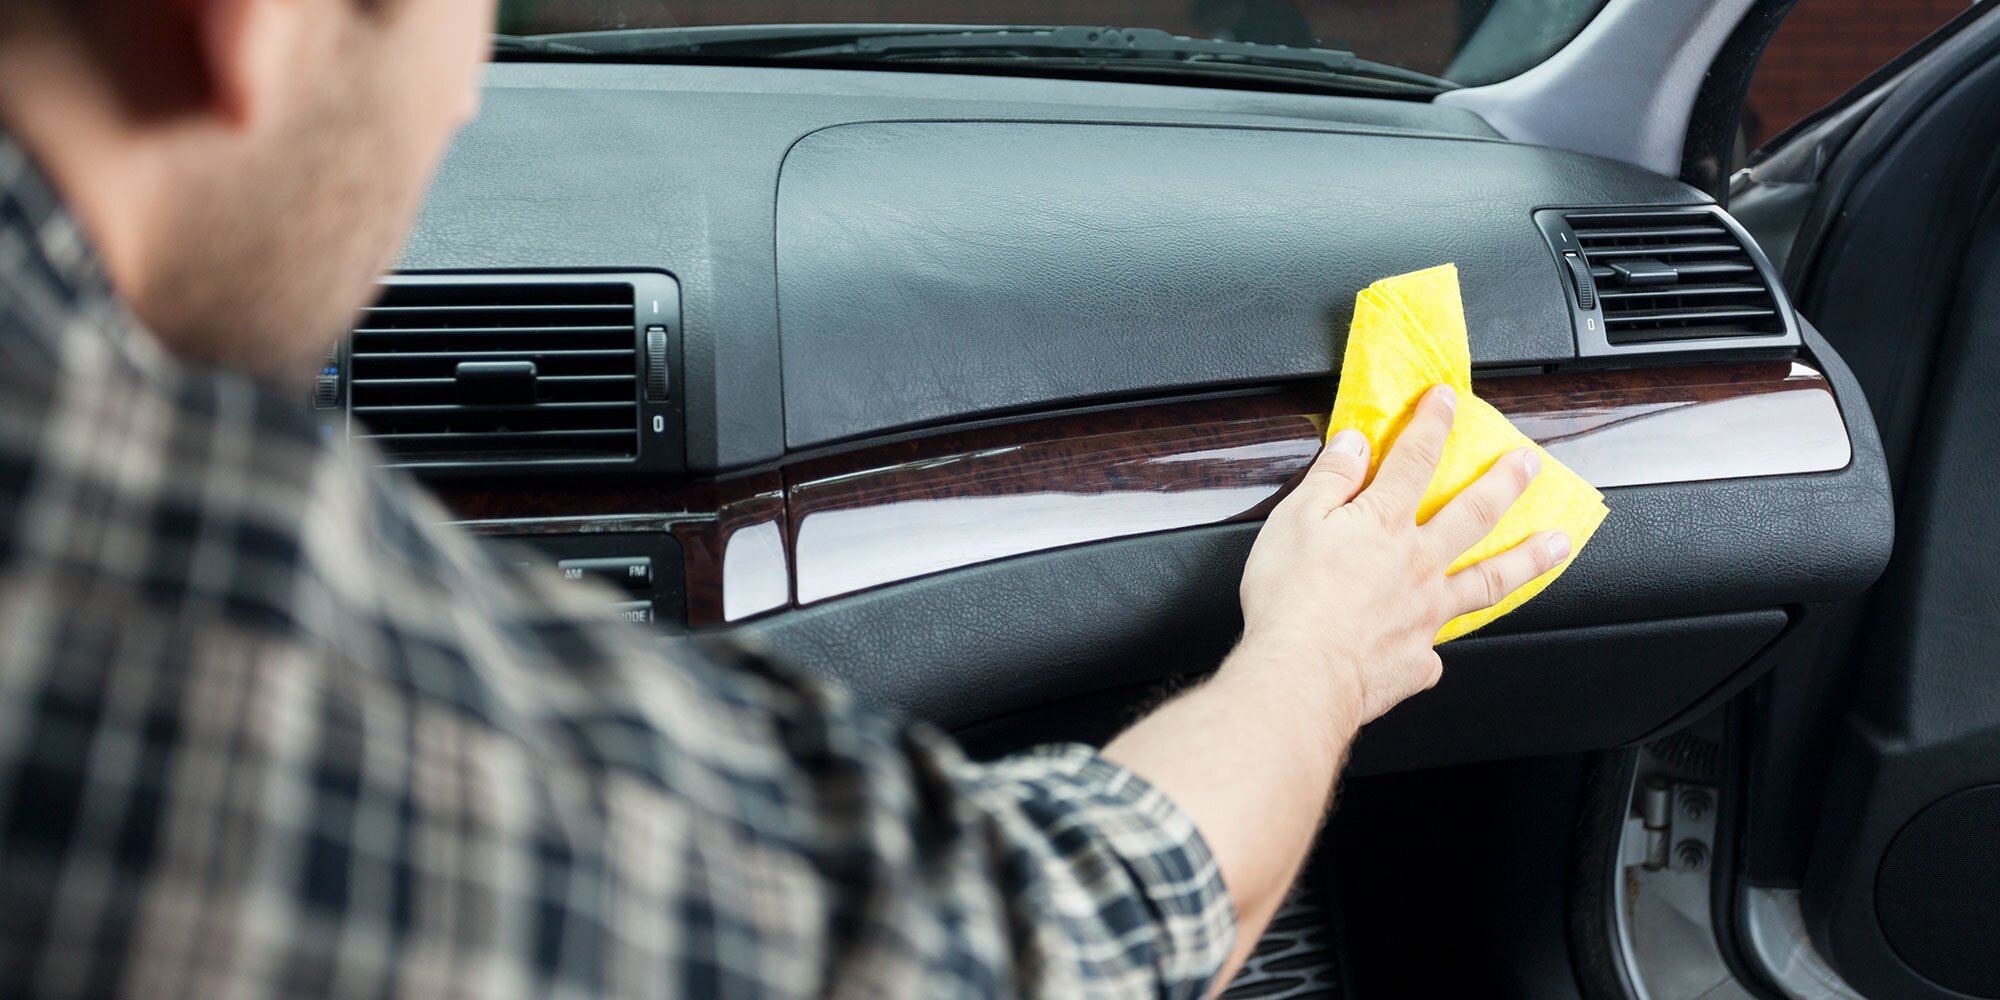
1827, 46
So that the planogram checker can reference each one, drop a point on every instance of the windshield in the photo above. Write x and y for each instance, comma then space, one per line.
1465, 42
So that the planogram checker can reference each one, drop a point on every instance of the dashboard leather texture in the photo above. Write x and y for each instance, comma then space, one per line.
1525, 694
930, 271
1014, 638
675, 168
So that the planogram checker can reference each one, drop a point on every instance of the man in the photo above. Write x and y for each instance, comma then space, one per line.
265, 729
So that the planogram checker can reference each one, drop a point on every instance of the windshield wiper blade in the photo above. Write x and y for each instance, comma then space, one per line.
1139, 44
718, 40
505, 46
1149, 48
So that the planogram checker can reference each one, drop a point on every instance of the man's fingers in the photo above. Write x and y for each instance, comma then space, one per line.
1485, 583
1474, 512
1407, 469
1337, 474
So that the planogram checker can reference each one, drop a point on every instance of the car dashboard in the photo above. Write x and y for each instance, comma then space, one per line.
970, 391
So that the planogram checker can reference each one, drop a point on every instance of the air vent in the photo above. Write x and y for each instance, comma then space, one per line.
1673, 276
500, 371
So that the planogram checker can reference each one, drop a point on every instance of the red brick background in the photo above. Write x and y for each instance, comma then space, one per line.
1824, 46
1827, 46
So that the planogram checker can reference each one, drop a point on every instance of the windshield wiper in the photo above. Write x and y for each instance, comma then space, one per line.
714, 40
1140, 49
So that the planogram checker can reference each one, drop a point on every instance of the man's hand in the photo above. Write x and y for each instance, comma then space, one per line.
1342, 595
1344, 580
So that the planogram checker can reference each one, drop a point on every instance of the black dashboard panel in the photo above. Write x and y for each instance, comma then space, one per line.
867, 255
929, 271
676, 168
619, 167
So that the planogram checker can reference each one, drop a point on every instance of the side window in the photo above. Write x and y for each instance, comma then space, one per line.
1826, 46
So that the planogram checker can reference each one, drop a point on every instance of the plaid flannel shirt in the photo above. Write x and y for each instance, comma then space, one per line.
268, 729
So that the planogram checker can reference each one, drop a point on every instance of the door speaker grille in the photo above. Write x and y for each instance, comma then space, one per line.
1937, 892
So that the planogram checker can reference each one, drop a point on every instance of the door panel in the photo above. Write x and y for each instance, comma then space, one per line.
1898, 264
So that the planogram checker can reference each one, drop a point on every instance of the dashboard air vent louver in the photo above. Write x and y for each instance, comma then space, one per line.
1672, 276
498, 371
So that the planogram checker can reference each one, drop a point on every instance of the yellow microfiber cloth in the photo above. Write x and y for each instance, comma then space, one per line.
1408, 335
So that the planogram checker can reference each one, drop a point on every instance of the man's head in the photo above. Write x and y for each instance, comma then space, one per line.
247, 168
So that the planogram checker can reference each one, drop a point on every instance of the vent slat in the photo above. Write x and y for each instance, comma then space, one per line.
1651, 232
1709, 268
1673, 275
369, 331
1721, 314
1753, 291
1662, 250
449, 310
580, 337
544, 380
581, 432
523, 408
528, 354
467, 437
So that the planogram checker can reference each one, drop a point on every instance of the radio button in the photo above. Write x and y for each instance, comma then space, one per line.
634, 611
634, 573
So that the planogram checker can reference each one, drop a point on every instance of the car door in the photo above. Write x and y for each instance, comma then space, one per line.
1875, 779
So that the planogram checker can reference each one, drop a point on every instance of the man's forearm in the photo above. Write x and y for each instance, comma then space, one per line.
1251, 756
1343, 596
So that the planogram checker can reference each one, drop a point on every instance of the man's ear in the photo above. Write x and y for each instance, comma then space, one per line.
247, 49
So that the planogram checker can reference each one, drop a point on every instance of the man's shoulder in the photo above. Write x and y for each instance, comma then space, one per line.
209, 500
192, 486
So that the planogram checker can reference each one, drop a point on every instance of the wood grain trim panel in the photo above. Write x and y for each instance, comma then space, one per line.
843, 523
1634, 427
900, 511
940, 503
731, 532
